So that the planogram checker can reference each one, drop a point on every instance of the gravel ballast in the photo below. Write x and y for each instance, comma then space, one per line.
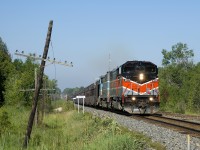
172, 140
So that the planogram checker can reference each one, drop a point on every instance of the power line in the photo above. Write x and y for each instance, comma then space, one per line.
35, 57
26, 90
53, 57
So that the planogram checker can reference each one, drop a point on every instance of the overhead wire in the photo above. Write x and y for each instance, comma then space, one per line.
55, 75
53, 57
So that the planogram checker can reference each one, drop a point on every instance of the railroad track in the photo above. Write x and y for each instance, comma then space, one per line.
182, 126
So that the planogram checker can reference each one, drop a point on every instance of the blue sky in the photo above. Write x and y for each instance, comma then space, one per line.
86, 31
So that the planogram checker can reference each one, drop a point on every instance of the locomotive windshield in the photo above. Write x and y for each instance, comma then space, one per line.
135, 69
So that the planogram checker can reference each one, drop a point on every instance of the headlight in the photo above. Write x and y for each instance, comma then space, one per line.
141, 76
133, 98
151, 98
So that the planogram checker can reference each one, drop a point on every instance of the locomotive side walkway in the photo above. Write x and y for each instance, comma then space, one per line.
169, 138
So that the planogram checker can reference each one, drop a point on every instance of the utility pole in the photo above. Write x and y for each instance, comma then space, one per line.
37, 112
37, 90
38, 80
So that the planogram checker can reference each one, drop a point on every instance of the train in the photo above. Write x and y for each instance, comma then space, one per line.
132, 87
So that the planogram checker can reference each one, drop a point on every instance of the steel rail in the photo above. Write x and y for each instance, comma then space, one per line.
185, 129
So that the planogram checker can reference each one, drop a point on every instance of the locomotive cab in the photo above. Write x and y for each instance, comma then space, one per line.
139, 71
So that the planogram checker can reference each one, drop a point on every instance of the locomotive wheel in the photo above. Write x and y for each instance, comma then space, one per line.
111, 106
123, 108
142, 110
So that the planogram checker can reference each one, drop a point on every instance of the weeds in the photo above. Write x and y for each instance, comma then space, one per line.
69, 130
4, 122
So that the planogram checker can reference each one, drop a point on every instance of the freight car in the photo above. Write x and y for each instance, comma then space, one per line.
131, 87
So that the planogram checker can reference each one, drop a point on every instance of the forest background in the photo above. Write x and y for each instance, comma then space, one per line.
179, 80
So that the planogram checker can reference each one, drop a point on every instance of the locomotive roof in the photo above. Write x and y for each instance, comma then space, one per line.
137, 61
133, 62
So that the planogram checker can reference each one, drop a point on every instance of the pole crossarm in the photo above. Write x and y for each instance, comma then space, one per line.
34, 90
39, 58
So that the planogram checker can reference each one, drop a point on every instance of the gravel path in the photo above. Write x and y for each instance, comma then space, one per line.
169, 138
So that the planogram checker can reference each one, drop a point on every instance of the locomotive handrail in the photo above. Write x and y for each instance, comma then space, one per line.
117, 84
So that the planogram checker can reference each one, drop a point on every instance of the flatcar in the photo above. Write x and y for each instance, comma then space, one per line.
131, 87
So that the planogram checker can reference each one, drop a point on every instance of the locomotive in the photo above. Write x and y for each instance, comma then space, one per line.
131, 87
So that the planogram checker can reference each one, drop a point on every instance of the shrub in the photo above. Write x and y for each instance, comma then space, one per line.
5, 123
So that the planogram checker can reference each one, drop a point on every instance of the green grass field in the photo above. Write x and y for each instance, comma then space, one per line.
67, 130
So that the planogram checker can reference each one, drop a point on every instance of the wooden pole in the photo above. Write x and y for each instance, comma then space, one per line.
43, 100
38, 87
36, 113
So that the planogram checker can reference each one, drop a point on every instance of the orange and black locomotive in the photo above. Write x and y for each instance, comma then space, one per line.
132, 87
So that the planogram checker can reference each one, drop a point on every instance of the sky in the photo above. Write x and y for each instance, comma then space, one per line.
86, 32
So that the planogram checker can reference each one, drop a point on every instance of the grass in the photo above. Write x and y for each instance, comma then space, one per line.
69, 130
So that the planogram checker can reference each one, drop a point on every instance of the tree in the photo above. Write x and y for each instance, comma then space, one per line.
52, 84
192, 87
21, 78
5, 69
180, 54
71, 92
178, 80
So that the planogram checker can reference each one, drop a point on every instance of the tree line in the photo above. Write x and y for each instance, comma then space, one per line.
178, 76
70, 93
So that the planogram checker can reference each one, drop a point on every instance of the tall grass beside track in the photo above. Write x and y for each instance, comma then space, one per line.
67, 130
